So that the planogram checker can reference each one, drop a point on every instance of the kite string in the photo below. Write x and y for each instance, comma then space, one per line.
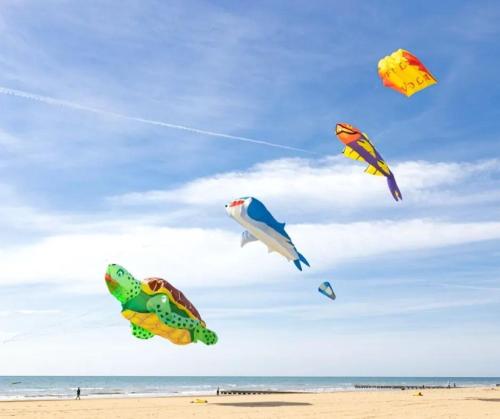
72, 105
55, 327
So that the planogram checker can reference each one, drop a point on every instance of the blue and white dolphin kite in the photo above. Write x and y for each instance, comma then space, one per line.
261, 225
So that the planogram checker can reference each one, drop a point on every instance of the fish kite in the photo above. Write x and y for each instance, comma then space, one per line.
326, 289
261, 225
359, 147
156, 307
404, 72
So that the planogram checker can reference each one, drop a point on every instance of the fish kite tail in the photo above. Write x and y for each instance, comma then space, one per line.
393, 187
301, 259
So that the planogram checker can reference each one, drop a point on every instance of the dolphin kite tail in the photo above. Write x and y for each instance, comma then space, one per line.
393, 187
301, 259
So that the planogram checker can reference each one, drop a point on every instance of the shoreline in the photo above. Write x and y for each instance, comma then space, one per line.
240, 393
476, 402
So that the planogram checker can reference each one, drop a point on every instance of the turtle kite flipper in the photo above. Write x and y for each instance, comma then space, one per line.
393, 187
139, 332
204, 335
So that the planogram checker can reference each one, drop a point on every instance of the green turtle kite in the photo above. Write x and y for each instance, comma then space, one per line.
156, 307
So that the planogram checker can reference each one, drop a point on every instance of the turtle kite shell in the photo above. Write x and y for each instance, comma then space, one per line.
155, 286
152, 323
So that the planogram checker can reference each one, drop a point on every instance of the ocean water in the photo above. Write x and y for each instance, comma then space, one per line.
60, 387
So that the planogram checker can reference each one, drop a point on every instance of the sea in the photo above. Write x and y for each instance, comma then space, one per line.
64, 387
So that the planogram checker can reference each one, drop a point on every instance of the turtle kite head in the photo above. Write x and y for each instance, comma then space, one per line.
235, 207
121, 284
347, 133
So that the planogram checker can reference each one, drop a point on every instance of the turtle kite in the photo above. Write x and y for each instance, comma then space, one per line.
156, 307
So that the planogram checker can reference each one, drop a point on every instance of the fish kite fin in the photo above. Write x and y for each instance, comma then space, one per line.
352, 154
393, 187
301, 259
373, 171
247, 237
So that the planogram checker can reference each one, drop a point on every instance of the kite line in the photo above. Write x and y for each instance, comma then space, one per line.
72, 105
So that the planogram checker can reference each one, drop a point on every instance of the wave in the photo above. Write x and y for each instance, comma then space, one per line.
51, 388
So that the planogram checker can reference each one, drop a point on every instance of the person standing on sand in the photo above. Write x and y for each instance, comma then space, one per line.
78, 393
217, 391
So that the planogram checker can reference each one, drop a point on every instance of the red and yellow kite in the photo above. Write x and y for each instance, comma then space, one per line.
404, 72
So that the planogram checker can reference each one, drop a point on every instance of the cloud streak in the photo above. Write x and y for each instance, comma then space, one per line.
71, 105
349, 311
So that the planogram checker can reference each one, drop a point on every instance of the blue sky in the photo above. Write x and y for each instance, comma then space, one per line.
418, 282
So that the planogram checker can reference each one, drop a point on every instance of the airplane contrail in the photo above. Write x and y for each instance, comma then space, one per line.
66, 104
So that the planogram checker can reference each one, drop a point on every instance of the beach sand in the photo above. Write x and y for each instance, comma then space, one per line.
449, 403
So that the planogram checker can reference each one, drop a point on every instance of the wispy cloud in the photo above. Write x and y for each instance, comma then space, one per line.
28, 312
350, 311
64, 103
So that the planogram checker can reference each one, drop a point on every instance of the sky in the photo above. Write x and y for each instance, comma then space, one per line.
86, 181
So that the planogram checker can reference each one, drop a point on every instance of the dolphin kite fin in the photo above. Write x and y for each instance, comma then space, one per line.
247, 237
301, 259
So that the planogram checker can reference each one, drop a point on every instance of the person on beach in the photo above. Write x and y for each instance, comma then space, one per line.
78, 393
217, 391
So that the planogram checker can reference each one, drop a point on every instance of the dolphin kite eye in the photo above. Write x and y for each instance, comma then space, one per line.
120, 272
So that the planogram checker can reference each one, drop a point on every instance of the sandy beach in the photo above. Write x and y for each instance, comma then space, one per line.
454, 403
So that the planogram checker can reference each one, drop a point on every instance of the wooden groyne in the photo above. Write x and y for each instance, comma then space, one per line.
399, 387
230, 392
358, 386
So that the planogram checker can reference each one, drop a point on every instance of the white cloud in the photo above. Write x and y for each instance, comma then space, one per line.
327, 184
203, 257
75, 249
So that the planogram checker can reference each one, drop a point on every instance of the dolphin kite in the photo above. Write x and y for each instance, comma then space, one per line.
359, 147
261, 225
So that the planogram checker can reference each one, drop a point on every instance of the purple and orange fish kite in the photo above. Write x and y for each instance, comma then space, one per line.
359, 147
